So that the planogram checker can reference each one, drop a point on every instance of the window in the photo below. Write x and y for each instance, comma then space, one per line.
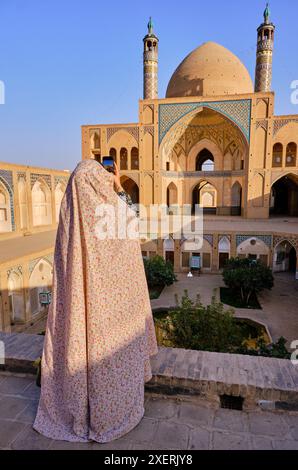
134, 158
123, 159
291, 154
277, 155
205, 161
113, 153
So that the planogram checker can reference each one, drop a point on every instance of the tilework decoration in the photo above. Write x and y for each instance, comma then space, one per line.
149, 129
47, 178
21, 175
263, 123
292, 240
6, 179
17, 269
60, 179
134, 131
209, 239
279, 123
148, 106
33, 262
267, 239
50, 258
238, 111
201, 174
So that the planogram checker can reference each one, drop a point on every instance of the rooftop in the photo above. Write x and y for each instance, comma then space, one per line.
19, 247
168, 423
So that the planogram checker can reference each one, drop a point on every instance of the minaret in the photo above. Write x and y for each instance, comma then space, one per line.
264, 53
150, 61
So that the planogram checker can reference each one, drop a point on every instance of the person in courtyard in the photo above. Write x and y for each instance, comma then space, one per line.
100, 332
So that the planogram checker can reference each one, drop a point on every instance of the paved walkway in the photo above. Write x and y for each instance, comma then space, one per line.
168, 424
279, 306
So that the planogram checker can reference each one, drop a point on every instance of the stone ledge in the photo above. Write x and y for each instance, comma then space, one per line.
186, 372
210, 375
21, 351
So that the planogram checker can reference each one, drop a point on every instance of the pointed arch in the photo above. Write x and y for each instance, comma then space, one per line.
284, 196
40, 281
16, 297
131, 187
41, 203
172, 194
205, 195
134, 158
236, 198
5, 207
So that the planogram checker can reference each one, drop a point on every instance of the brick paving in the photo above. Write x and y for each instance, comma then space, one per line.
170, 423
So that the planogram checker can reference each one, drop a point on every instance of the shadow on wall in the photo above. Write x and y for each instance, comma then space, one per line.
20, 308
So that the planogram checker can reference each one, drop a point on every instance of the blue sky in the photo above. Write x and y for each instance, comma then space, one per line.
71, 62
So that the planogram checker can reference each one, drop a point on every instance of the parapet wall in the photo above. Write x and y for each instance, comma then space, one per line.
258, 380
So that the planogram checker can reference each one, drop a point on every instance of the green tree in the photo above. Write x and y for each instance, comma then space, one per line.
247, 277
208, 328
159, 272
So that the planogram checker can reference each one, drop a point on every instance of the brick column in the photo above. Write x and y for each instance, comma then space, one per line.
214, 261
29, 202
26, 276
233, 252
177, 266
5, 323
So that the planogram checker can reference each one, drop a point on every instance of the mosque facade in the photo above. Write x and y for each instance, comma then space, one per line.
214, 140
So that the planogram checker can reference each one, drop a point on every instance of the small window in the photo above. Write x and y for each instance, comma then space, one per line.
231, 403
277, 155
123, 159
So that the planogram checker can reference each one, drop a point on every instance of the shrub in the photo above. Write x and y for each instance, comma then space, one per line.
159, 272
247, 277
193, 326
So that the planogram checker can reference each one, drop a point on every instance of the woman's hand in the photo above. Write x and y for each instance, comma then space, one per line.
117, 183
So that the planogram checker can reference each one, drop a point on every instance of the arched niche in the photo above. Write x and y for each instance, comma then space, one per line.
41, 203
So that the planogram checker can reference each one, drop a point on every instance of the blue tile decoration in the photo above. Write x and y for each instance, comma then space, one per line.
267, 239
238, 111
7, 181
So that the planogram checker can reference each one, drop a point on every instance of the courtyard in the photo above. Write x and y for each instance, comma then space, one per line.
279, 306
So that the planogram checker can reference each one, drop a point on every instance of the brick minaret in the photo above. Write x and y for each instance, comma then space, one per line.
150, 61
264, 53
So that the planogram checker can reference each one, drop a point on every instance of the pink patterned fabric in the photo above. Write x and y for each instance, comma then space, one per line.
100, 331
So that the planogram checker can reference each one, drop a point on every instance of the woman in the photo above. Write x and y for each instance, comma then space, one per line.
100, 331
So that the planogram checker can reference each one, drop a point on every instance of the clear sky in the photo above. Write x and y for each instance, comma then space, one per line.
71, 62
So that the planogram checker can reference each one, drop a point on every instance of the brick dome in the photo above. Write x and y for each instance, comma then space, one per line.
210, 70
